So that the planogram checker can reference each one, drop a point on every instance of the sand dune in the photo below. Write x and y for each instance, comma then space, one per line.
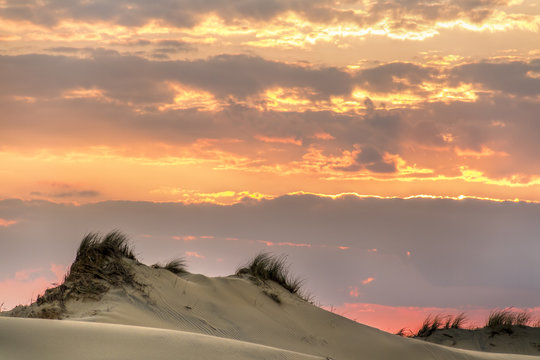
113, 307
513, 340
196, 317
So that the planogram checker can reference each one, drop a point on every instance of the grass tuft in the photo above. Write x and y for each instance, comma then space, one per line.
504, 319
437, 322
268, 267
458, 321
176, 266
99, 264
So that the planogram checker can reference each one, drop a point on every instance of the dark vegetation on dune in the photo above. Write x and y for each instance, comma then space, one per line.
503, 318
101, 262
267, 267
499, 321
437, 322
176, 266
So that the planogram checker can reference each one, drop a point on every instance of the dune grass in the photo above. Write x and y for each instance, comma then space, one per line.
269, 267
437, 322
501, 319
176, 266
99, 264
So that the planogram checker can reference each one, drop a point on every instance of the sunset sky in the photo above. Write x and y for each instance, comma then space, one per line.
393, 141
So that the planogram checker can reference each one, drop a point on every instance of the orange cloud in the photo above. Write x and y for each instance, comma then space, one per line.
6, 223
369, 280
270, 243
194, 254
185, 238
478, 154
279, 140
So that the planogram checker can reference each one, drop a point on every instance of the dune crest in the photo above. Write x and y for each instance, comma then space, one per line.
162, 314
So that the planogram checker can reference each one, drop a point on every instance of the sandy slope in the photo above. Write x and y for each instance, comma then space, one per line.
52, 339
195, 317
516, 339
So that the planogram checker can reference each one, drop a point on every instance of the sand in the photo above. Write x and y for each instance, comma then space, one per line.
196, 317
513, 340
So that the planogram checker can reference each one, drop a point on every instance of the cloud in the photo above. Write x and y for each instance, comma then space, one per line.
144, 81
6, 222
185, 238
24, 286
395, 77
514, 77
409, 15
371, 159
74, 102
367, 281
67, 194
194, 254
270, 243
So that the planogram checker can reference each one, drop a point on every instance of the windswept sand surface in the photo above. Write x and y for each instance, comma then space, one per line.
195, 317
517, 339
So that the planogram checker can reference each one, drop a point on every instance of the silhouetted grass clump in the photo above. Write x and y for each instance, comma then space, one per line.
268, 267
99, 264
505, 319
455, 322
437, 322
176, 266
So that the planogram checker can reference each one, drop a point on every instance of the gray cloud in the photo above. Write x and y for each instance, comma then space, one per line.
485, 251
68, 194
511, 78
395, 77
134, 79
131, 78
187, 13
371, 159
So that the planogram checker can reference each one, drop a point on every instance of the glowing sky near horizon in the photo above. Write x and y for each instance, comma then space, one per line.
220, 101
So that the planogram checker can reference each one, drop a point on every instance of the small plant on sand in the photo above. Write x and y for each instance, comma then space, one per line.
455, 322
403, 332
176, 266
268, 267
437, 322
505, 319
429, 326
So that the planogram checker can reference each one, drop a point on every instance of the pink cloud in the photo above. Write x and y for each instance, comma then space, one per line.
369, 280
24, 286
207, 237
185, 238
270, 243
343, 247
353, 291
194, 254
6, 223
59, 271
